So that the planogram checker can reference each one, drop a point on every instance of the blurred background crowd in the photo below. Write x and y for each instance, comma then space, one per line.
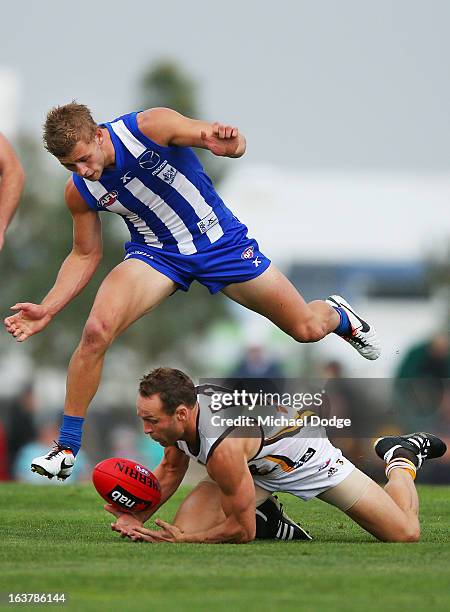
345, 185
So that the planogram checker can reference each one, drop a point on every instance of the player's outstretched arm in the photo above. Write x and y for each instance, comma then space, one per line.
170, 472
228, 467
74, 274
11, 185
167, 127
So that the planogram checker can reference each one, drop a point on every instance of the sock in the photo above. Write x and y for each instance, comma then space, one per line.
71, 432
404, 453
344, 328
401, 463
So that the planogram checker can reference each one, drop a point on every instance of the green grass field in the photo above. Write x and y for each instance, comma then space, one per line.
57, 539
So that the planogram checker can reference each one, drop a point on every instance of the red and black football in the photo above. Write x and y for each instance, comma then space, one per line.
128, 485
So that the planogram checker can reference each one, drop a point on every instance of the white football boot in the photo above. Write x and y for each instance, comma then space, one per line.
58, 462
363, 336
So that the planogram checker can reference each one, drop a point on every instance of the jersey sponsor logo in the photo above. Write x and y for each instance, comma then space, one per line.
324, 465
168, 174
149, 159
306, 457
125, 178
256, 262
207, 222
108, 199
160, 167
248, 253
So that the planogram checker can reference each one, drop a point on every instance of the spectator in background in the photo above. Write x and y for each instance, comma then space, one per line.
256, 363
422, 383
12, 180
128, 442
429, 359
21, 422
47, 433
346, 401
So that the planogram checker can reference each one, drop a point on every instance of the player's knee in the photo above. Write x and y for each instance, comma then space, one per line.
406, 534
411, 533
309, 331
97, 335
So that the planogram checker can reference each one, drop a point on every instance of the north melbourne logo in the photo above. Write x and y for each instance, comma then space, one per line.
168, 174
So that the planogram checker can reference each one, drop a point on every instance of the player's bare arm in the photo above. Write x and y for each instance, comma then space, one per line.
11, 185
74, 274
228, 468
170, 472
167, 127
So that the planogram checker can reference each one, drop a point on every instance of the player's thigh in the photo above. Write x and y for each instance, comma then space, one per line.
378, 514
201, 509
272, 295
130, 290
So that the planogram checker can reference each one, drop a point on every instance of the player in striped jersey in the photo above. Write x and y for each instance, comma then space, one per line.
141, 167
245, 466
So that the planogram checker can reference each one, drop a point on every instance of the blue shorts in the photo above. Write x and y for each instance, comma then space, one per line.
234, 258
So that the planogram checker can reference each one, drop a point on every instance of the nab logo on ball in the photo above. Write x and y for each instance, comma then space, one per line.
129, 486
124, 499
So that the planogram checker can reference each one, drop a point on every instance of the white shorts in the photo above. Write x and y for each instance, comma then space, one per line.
325, 470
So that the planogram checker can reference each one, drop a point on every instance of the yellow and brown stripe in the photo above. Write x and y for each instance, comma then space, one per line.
286, 464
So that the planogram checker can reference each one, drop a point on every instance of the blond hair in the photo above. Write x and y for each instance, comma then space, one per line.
65, 126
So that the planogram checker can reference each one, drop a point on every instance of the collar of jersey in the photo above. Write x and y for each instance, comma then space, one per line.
117, 151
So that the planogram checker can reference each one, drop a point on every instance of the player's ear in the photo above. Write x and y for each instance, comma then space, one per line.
99, 136
182, 413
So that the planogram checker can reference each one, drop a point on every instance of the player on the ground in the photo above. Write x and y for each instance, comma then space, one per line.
12, 180
246, 467
141, 167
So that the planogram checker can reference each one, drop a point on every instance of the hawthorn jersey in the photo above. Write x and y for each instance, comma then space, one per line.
162, 193
292, 458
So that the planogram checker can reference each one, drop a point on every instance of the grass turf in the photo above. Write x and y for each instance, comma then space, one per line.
57, 539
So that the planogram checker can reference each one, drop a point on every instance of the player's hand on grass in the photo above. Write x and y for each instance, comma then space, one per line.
224, 139
125, 522
167, 533
29, 320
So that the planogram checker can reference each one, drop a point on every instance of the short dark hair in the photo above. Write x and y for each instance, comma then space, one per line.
173, 386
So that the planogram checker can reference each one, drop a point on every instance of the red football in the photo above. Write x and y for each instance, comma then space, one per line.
126, 484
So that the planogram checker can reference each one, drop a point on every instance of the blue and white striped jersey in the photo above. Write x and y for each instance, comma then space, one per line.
162, 193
